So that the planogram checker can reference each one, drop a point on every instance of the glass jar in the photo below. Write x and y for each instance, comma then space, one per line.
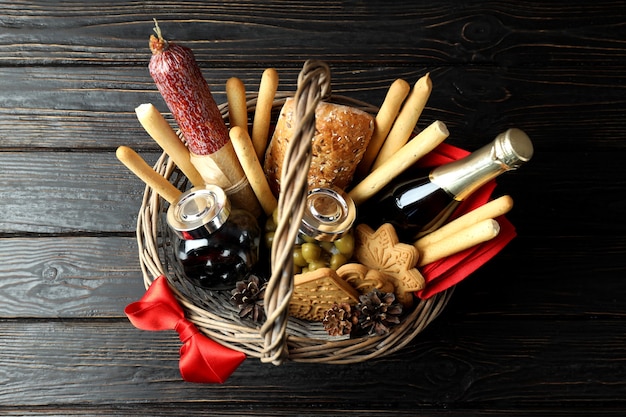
325, 239
214, 245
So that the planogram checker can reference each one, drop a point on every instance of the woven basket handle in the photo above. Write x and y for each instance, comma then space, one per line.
313, 86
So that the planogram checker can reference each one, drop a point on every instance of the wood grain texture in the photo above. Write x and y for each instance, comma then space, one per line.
93, 108
504, 32
68, 192
81, 277
573, 277
452, 364
539, 330
60, 188
202, 410
95, 277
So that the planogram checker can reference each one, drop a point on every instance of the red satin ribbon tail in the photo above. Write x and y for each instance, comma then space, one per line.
203, 360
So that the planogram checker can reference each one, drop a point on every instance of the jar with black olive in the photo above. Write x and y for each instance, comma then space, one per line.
214, 244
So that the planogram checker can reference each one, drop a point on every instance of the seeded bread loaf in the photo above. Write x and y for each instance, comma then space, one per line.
342, 134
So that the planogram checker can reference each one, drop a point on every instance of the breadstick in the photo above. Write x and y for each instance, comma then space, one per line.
237, 107
251, 166
263, 111
490, 210
145, 172
420, 145
459, 241
385, 117
406, 121
160, 130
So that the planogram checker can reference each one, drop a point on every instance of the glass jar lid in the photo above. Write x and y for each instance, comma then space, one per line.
328, 214
199, 207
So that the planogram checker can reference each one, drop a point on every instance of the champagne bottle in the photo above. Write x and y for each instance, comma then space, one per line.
419, 203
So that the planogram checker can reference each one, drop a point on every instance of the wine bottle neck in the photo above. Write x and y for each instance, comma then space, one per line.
461, 178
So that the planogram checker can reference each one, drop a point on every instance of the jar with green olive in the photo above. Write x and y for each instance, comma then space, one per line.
325, 239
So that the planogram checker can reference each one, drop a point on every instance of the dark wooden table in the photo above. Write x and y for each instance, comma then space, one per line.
541, 329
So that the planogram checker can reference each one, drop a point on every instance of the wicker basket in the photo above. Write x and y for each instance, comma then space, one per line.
280, 337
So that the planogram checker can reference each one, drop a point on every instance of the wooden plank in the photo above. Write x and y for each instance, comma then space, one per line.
551, 278
68, 277
85, 192
424, 33
78, 108
67, 192
192, 410
96, 277
554, 203
472, 364
93, 108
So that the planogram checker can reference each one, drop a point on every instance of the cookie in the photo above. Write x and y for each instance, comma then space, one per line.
365, 279
382, 250
315, 292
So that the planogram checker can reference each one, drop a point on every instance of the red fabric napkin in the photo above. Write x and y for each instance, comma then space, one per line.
449, 271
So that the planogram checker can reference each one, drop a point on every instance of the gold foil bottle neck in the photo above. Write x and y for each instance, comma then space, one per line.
508, 151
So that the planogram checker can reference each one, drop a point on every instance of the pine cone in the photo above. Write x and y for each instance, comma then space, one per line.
339, 319
378, 312
248, 297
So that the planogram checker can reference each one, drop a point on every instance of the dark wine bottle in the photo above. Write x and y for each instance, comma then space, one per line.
419, 203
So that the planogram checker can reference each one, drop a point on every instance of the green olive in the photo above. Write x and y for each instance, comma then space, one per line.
345, 244
275, 216
270, 224
269, 239
307, 238
296, 269
337, 260
298, 259
311, 252
317, 265
327, 246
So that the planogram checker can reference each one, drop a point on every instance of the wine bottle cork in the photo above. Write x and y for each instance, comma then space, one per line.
385, 117
263, 111
407, 120
459, 241
416, 148
490, 210
237, 107
147, 174
252, 168
160, 130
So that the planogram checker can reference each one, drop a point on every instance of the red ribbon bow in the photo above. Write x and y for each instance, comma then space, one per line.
201, 359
